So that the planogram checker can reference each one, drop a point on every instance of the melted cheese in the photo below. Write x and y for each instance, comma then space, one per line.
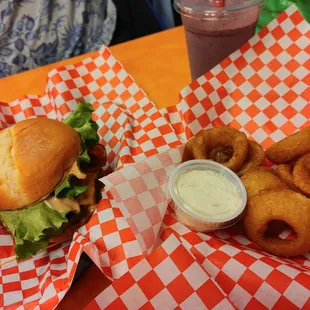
77, 172
63, 204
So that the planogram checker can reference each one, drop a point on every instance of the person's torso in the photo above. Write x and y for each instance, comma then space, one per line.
37, 32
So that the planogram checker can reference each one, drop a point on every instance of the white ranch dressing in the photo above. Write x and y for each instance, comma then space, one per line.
208, 193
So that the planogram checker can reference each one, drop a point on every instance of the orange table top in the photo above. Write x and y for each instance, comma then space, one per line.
159, 65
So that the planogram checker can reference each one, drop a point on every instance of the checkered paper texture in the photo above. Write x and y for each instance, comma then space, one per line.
125, 226
131, 128
263, 90
215, 271
220, 270
14, 286
148, 285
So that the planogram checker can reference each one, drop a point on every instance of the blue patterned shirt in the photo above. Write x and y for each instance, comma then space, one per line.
38, 32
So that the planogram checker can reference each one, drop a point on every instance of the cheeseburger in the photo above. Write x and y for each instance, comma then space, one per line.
49, 174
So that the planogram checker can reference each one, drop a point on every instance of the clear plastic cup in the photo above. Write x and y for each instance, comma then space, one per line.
216, 28
183, 209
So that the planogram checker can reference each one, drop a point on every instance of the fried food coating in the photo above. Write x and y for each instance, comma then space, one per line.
279, 205
261, 178
188, 150
301, 174
253, 159
200, 147
290, 147
222, 137
285, 171
220, 154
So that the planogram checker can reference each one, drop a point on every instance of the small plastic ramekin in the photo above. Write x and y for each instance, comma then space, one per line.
183, 211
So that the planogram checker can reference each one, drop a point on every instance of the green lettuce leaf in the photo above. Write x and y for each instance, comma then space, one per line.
25, 249
81, 120
67, 189
32, 227
84, 157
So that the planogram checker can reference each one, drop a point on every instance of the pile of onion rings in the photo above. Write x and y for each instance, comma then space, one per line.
281, 197
292, 155
278, 199
227, 146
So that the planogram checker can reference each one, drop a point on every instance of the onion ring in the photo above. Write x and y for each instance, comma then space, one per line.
220, 154
200, 147
222, 136
281, 205
188, 150
285, 171
261, 178
254, 158
301, 174
290, 147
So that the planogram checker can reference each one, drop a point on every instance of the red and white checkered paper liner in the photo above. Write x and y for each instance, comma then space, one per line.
131, 128
263, 90
169, 265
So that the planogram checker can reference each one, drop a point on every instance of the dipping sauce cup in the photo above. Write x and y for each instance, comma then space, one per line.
206, 196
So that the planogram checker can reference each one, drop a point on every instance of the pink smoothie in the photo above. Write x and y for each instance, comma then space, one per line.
209, 41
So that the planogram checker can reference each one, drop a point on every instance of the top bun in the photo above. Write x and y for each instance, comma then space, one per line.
35, 155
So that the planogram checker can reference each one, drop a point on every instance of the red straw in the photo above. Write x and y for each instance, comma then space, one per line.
217, 3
